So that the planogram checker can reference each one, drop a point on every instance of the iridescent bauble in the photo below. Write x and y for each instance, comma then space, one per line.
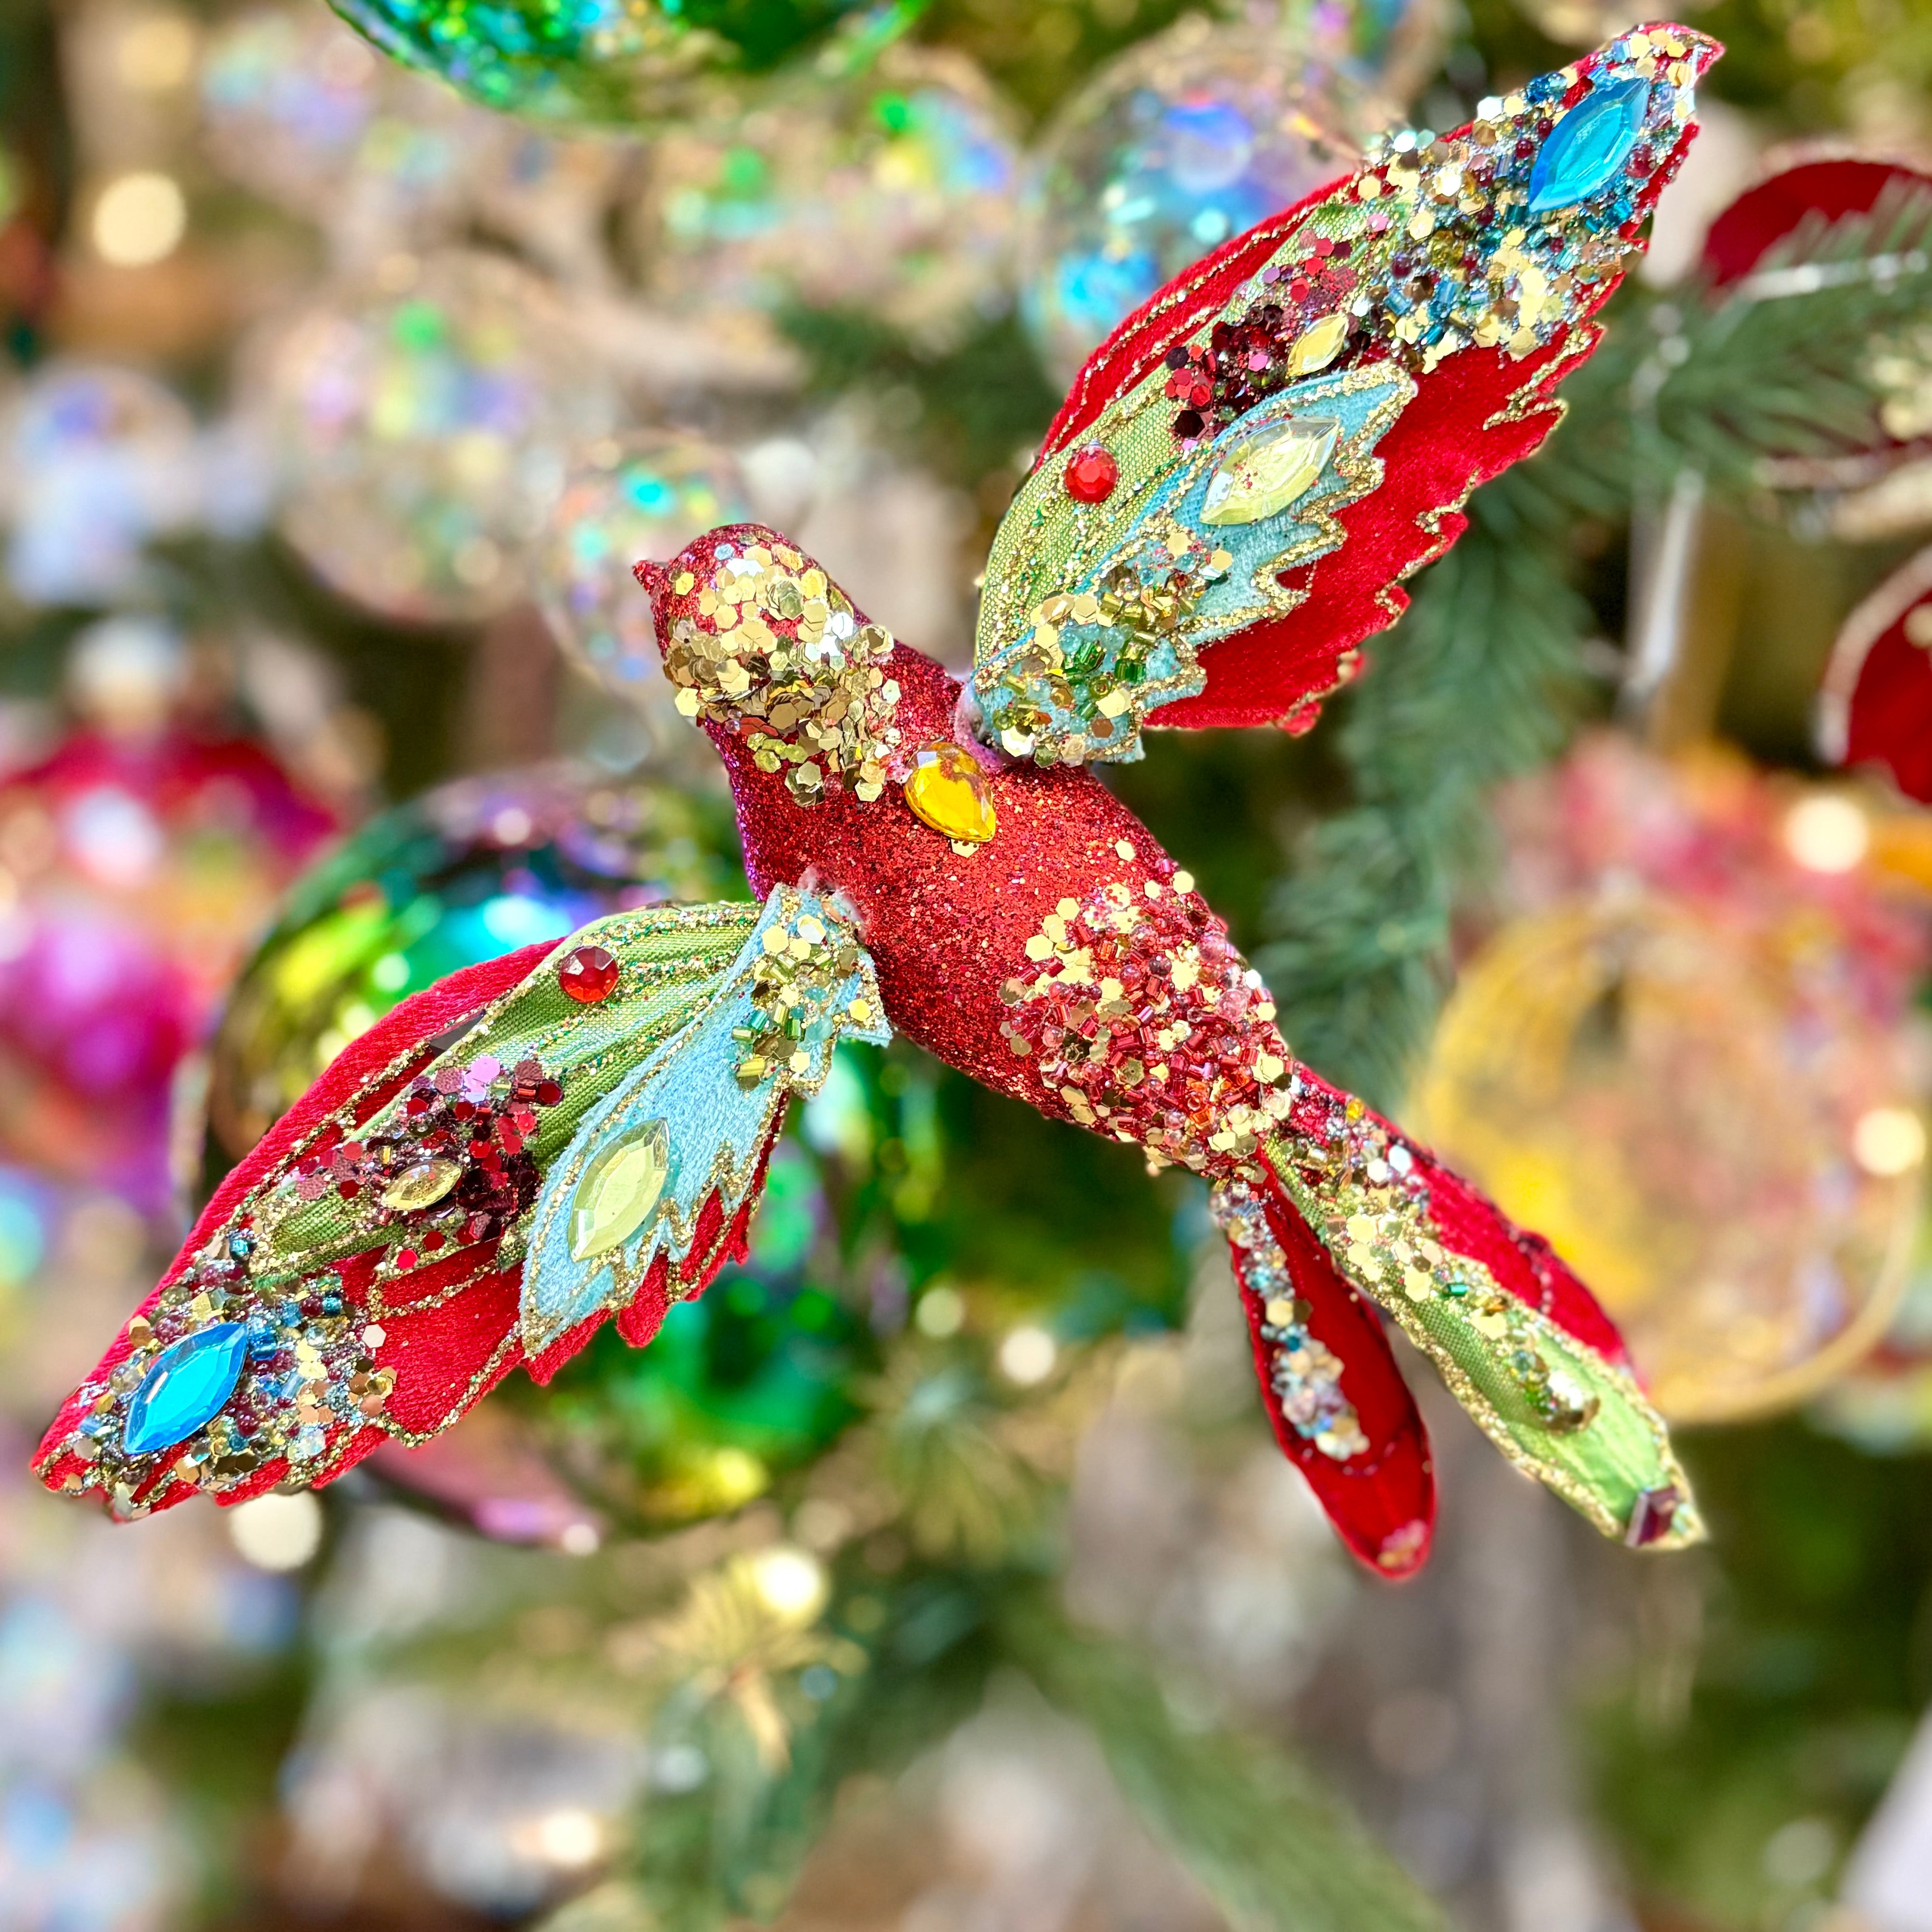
1182, 142
420, 433
895, 192
1391, 46
644, 495
1687, 1063
467, 872
136, 869
613, 62
97, 460
298, 109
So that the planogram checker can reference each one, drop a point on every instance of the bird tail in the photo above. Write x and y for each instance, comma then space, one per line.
501, 1164
1363, 1216
1341, 1411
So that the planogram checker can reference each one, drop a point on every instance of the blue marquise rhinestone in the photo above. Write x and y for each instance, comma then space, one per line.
1588, 148
189, 1382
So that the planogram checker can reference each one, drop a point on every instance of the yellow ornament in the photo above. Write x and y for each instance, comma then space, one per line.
1715, 1138
947, 791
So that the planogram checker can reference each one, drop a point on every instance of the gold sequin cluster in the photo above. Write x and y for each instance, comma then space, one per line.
1375, 1220
776, 651
805, 961
1142, 1021
1086, 651
1303, 1372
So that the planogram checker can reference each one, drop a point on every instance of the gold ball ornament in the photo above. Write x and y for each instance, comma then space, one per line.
1692, 1095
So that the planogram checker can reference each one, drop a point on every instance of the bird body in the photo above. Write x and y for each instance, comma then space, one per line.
1060, 956
1222, 512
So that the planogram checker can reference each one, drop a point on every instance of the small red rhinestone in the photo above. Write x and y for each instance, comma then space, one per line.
1091, 474
587, 975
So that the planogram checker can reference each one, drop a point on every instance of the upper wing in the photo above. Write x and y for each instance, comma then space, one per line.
1253, 461
508, 1159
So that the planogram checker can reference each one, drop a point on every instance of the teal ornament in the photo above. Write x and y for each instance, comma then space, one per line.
1588, 148
190, 1381
616, 62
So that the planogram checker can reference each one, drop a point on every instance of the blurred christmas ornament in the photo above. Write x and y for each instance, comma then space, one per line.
137, 861
1685, 1058
1876, 705
98, 460
420, 429
298, 108
644, 495
466, 872
1391, 47
615, 62
894, 192
1776, 240
1795, 203
1184, 140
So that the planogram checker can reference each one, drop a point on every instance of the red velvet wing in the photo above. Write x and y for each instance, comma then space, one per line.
1249, 466
362, 1275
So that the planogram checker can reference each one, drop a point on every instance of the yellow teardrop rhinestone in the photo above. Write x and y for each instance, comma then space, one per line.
1269, 471
618, 1189
948, 791
421, 1186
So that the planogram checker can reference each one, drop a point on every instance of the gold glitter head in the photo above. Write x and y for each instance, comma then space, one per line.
756, 638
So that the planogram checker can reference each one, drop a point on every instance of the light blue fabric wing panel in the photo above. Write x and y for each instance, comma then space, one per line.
697, 1116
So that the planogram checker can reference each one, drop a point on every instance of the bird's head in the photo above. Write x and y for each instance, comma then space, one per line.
762, 647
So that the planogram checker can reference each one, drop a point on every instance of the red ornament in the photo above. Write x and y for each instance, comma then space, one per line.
588, 975
1091, 474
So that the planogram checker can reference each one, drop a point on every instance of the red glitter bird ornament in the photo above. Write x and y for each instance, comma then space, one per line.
1284, 433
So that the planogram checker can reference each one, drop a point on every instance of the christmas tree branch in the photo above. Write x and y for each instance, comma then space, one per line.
1270, 1843
1476, 685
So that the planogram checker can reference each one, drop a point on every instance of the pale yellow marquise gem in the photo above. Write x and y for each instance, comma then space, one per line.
1319, 345
1270, 470
421, 1185
618, 1189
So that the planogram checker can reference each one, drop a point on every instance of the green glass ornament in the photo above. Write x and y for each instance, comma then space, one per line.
755, 1377
467, 872
616, 62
